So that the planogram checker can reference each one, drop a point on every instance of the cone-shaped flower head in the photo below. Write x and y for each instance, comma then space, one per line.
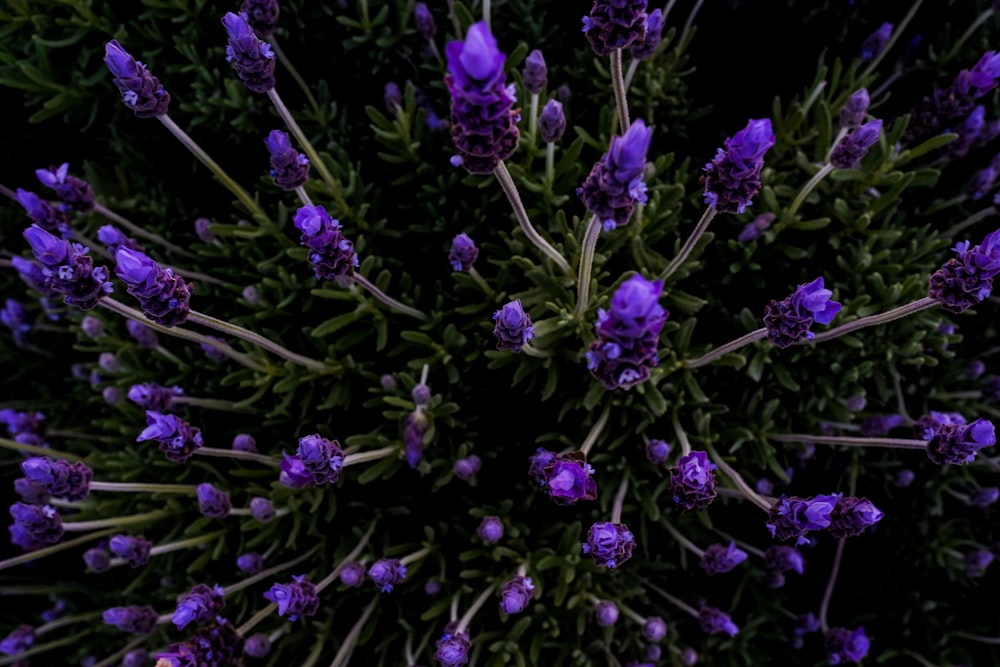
692, 481
875, 43
51, 218
609, 544
539, 461
490, 531
713, 621
62, 479
552, 122
30, 492
463, 253
137, 620
294, 599
851, 516
615, 24
257, 646
151, 396
321, 458
959, 443
569, 478
791, 516
163, 296
606, 613
262, 509
453, 649
482, 118
353, 574
199, 605
212, 502
615, 184
788, 321
513, 327
425, 21
250, 562
112, 237
141, 91
976, 562
133, 549
880, 424
67, 269
934, 113
74, 192
289, 168
414, 429
844, 646
387, 573
854, 145
516, 594
733, 177
719, 559
262, 15
969, 132
41, 523
968, 279
330, 253
19, 640
855, 109
657, 452
535, 72
465, 469
178, 439
252, 59
646, 47
984, 497
98, 559
654, 629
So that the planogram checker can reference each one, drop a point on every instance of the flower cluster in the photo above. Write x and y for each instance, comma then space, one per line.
74, 192
317, 462
568, 478
615, 185
178, 439
513, 327
62, 479
788, 320
609, 544
387, 573
151, 396
164, 296
968, 279
935, 112
289, 168
733, 177
294, 599
692, 481
252, 60
958, 443
615, 24
67, 269
217, 645
719, 559
330, 253
198, 605
141, 91
516, 595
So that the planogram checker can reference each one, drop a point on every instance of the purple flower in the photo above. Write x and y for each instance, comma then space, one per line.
606, 613
142, 334
490, 530
62, 479
392, 96
202, 228
137, 658
692, 482
113, 238
289, 168
904, 478
330, 253
968, 279
19, 640
453, 649
855, 109
984, 497
425, 21
217, 645
295, 599
15, 317
323, 459
387, 573
714, 621
24, 427
513, 327
654, 629
959, 444
293, 473
981, 182
432, 587
552, 122
535, 74
252, 59
421, 395
969, 133
646, 47
244, 442
653, 653
212, 502
163, 296
250, 563
41, 523
97, 559
755, 228
977, 561
52, 219
719, 559
615, 183
876, 42
851, 516
689, 657
540, 460
927, 425
733, 177
30, 492
624, 353
792, 516
609, 544
615, 24
262, 509
482, 118
783, 559
657, 452
141, 91
137, 620
353, 574
151, 396
788, 321
843, 645
74, 192
935, 112
414, 429
133, 549
854, 145
466, 468
516, 594
569, 479
198, 605
68, 269
880, 424
262, 15
257, 646
975, 369
463, 253
178, 439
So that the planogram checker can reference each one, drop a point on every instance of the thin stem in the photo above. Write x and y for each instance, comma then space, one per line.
828, 593
255, 619
532, 351
346, 560
115, 522
533, 119
260, 341
896, 443
210, 404
981, 19
374, 455
681, 435
140, 487
140, 232
487, 13
803, 193
755, 497
955, 229
294, 73
510, 189
684, 542
314, 157
351, 640
688, 246
236, 454
892, 40
481, 281
415, 556
55, 548
269, 572
670, 598
595, 430
42, 648
66, 620
976, 638
248, 202
873, 320
689, 21
723, 350
550, 164
586, 264
616, 508
303, 196
618, 83
463, 622
630, 74
36, 450
388, 300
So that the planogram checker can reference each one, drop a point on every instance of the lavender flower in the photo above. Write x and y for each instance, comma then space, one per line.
250, 563
552, 122
975, 369
880, 424
353, 574
843, 645
202, 228
792, 516
968, 279
41, 523
392, 96
624, 353
984, 497
68, 269
295, 599
713, 621
969, 132
927, 425
657, 452
262, 15
653, 653
851, 516
178, 439
453, 649
513, 327
198, 605
568, 479
414, 429
387, 573
432, 587
490, 531
719, 559
137, 620
981, 183
244, 442
141, 91
516, 594
756, 227
62, 479
977, 561
19, 640
644, 49
30, 492
733, 177
74, 192
97, 559
466, 468
615, 183
151, 396
218, 645
482, 118
606, 613
535, 74
937, 111
143, 335
212, 502
24, 427
114, 238
788, 321
163, 296
904, 478
252, 60
692, 482
321, 458
615, 24
52, 219
330, 253
540, 460
876, 42
783, 559
137, 658
257, 646
959, 444
262, 509
854, 145
855, 109
425, 21
654, 629
289, 168
15, 317
463, 253
133, 549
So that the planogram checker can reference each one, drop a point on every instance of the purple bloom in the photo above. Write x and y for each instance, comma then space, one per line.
163, 296
755, 228
33, 275
257, 646
689, 657
792, 516
62, 479
876, 42
981, 182
289, 168
552, 122
262, 509
151, 396
843, 645
968, 279
41, 523
490, 530
387, 573
977, 561
432, 587
535, 74
714, 621
609, 544
15, 317
851, 516
615, 183
251, 563
657, 452
969, 132
654, 629
959, 444
24, 427
414, 429
854, 145
137, 620
178, 439
606, 613
904, 478
52, 219
217, 645
141, 91
244, 442
653, 653
540, 460
463, 253
719, 559
198, 605
252, 59
425, 21
295, 599
421, 395
133, 549
624, 353
569, 479
74, 192
202, 228
733, 177
330, 253
926, 426
21, 639
30, 492
646, 47
880, 424
692, 482
68, 269
322, 459
615, 24
984, 497
466, 468
855, 109
975, 369
788, 321
212, 502
108, 362
783, 559
856, 403
142, 334
516, 594
293, 472
935, 112
482, 118
453, 649
137, 658
392, 96
97, 559
353, 574
113, 238
513, 327
262, 15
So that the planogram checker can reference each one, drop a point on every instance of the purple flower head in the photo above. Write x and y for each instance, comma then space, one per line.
151, 396
251, 563
977, 561
984, 497
645, 48
714, 621
937, 111
843, 645
855, 109
293, 472
53, 219
792, 516
854, 145
252, 59
163, 296
783, 559
851, 516
108, 362
653, 653
756, 227
425, 21
975, 369
421, 395
624, 353
856, 403
98, 559
552, 121
733, 177
513, 327
569, 479
615, 24
539, 461
392, 96
615, 183
606, 613
432, 587
322, 459
692, 482
15, 317
133, 549
414, 429
788, 321
262, 15
178, 439
609, 544
353, 574
244, 442
535, 72
482, 117
880, 424
876, 42
516, 594
30, 492
21, 424
453, 649
137, 620
904, 478
257, 646
959, 444
490, 531
969, 132
142, 334
111, 395
387, 573
141, 91
981, 183
463, 253
466, 468
330, 253
217, 645
719, 559
62, 479
33, 275
203, 229
289, 168
68, 269
198, 605
927, 425
137, 658
19, 640
294, 599
41, 523
113, 238
74, 192
657, 452
654, 629
968, 279
262, 509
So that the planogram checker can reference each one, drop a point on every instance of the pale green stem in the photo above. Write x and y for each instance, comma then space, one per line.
66, 620
248, 202
140, 232
618, 83
550, 164
533, 351
586, 265
296, 77
236, 454
463, 623
689, 244
210, 404
828, 593
955, 229
681, 435
981, 19
353, 556
631, 613
388, 300
670, 598
162, 351
374, 455
533, 119
690, 21
723, 350
186, 334
630, 74
510, 189
737, 479
595, 430
874, 320
896, 443
260, 341
892, 40
42, 648
481, 281
435, 51
455, 24
140, 487
487, 13
976, 638
616, 508
300, 136
115, 522
37, 451
256, 618
684, 542
55, 548
269, 572
810, 185
350, 641
415, 556
303, 196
